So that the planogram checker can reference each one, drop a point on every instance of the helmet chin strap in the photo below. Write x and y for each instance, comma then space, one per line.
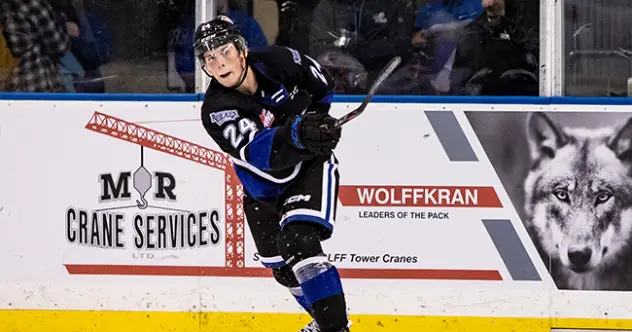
243, 76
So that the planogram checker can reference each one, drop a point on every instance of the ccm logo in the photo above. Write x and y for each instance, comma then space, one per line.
298, 198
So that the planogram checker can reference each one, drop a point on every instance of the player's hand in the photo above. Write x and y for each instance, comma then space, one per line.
307, 133
72, 29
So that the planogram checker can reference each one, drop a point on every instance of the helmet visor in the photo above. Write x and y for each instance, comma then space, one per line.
210, 43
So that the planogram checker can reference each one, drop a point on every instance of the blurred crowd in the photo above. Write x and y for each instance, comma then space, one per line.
52, 46
449, 47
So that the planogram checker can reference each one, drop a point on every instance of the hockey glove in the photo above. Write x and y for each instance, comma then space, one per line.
306, 133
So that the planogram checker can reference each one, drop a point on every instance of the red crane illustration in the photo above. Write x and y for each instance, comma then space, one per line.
149, 138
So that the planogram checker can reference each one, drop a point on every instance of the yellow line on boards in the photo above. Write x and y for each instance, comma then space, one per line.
137, 321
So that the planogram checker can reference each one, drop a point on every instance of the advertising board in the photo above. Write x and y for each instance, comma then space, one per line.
443, 211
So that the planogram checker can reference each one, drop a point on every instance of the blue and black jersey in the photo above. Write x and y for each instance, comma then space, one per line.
252, 128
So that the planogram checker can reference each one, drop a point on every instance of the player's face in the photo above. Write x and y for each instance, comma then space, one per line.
225, 63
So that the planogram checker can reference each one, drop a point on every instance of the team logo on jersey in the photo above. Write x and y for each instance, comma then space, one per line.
222, 117
267, 118
295, 56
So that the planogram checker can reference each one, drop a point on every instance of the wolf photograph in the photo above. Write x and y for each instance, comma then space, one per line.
569, 176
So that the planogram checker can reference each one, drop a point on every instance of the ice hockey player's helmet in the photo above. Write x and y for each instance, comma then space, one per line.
215, 33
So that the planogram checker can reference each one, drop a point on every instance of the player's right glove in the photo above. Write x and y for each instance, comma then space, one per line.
306, 133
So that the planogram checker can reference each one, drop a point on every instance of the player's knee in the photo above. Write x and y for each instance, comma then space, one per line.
298, 241
299, 244
285, 276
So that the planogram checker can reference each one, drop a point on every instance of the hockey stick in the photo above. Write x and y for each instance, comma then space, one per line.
384, 74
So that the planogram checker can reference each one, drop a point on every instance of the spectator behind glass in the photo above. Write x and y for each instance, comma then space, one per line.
7, 61
437, 27
70, 69
427, 71
371, 31
496, 55
92, 46
295, 19
38, 41
180, 58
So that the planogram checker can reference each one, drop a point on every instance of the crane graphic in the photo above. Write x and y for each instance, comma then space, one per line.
142, 181
151, 139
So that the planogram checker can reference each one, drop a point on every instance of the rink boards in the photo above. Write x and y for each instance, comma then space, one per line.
126, 215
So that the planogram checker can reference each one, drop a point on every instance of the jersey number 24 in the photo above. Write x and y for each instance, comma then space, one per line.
235, 134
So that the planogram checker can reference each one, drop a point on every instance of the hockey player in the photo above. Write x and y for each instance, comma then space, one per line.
267, 109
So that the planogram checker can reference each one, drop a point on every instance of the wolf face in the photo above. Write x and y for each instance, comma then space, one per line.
578, 194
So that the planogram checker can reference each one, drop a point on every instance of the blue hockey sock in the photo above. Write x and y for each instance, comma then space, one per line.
297, 292
322, 285
323, 294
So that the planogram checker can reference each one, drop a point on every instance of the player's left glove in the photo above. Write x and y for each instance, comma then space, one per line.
306, 133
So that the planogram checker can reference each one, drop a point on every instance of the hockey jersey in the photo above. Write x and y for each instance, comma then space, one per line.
252, 128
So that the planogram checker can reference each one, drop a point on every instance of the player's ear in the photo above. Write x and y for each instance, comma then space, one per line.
544, 136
